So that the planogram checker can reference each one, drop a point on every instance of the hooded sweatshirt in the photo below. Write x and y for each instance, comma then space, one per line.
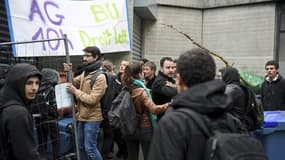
45, 101
177, 136
16, 120
232, 78
273, 94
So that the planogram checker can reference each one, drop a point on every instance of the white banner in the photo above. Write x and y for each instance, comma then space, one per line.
101, 23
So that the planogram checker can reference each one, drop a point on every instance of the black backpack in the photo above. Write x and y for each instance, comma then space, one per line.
123, 115
254, 116
224, 140
109, 95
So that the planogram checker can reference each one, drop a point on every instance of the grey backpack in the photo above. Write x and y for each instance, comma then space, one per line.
123, 115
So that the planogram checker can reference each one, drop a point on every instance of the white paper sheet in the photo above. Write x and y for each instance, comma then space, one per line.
63, 97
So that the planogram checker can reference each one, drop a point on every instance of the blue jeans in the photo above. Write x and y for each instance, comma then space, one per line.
87, 140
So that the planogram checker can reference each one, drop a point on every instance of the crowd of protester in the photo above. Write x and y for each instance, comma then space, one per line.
189, 81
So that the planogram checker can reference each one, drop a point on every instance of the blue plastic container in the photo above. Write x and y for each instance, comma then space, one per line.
272, 135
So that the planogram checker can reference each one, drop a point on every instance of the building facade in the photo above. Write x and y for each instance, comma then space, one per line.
246, 33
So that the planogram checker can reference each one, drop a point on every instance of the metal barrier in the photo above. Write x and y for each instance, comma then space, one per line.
36, 62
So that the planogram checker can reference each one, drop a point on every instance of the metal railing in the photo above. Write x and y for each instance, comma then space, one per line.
68, 74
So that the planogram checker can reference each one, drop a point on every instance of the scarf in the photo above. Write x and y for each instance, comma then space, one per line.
153, 117
90, 67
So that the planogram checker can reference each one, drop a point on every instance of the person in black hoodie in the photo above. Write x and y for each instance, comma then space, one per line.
177, 135
233, 88
273, 88
16, 132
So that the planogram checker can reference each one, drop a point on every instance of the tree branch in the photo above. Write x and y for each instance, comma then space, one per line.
198, 45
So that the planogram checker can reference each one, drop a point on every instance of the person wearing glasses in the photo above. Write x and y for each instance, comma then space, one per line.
89, 115
273, 88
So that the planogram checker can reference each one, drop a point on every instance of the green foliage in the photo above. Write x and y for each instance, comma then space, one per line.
251, 80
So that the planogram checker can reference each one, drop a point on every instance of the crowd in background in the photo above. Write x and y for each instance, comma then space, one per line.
189, 81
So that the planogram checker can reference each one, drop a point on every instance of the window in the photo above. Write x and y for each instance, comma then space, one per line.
280, 37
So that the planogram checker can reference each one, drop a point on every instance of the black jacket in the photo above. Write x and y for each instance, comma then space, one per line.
45, 101
273, 94
177, 136
16, 120
233, 89
149, 82
160, 92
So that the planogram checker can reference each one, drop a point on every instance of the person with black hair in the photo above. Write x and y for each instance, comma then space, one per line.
163, 88
16, 124
273, 88
234, 89
89, 115
178, 136
143, 61
219, 74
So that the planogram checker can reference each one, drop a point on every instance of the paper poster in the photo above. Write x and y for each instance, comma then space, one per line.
63, 97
